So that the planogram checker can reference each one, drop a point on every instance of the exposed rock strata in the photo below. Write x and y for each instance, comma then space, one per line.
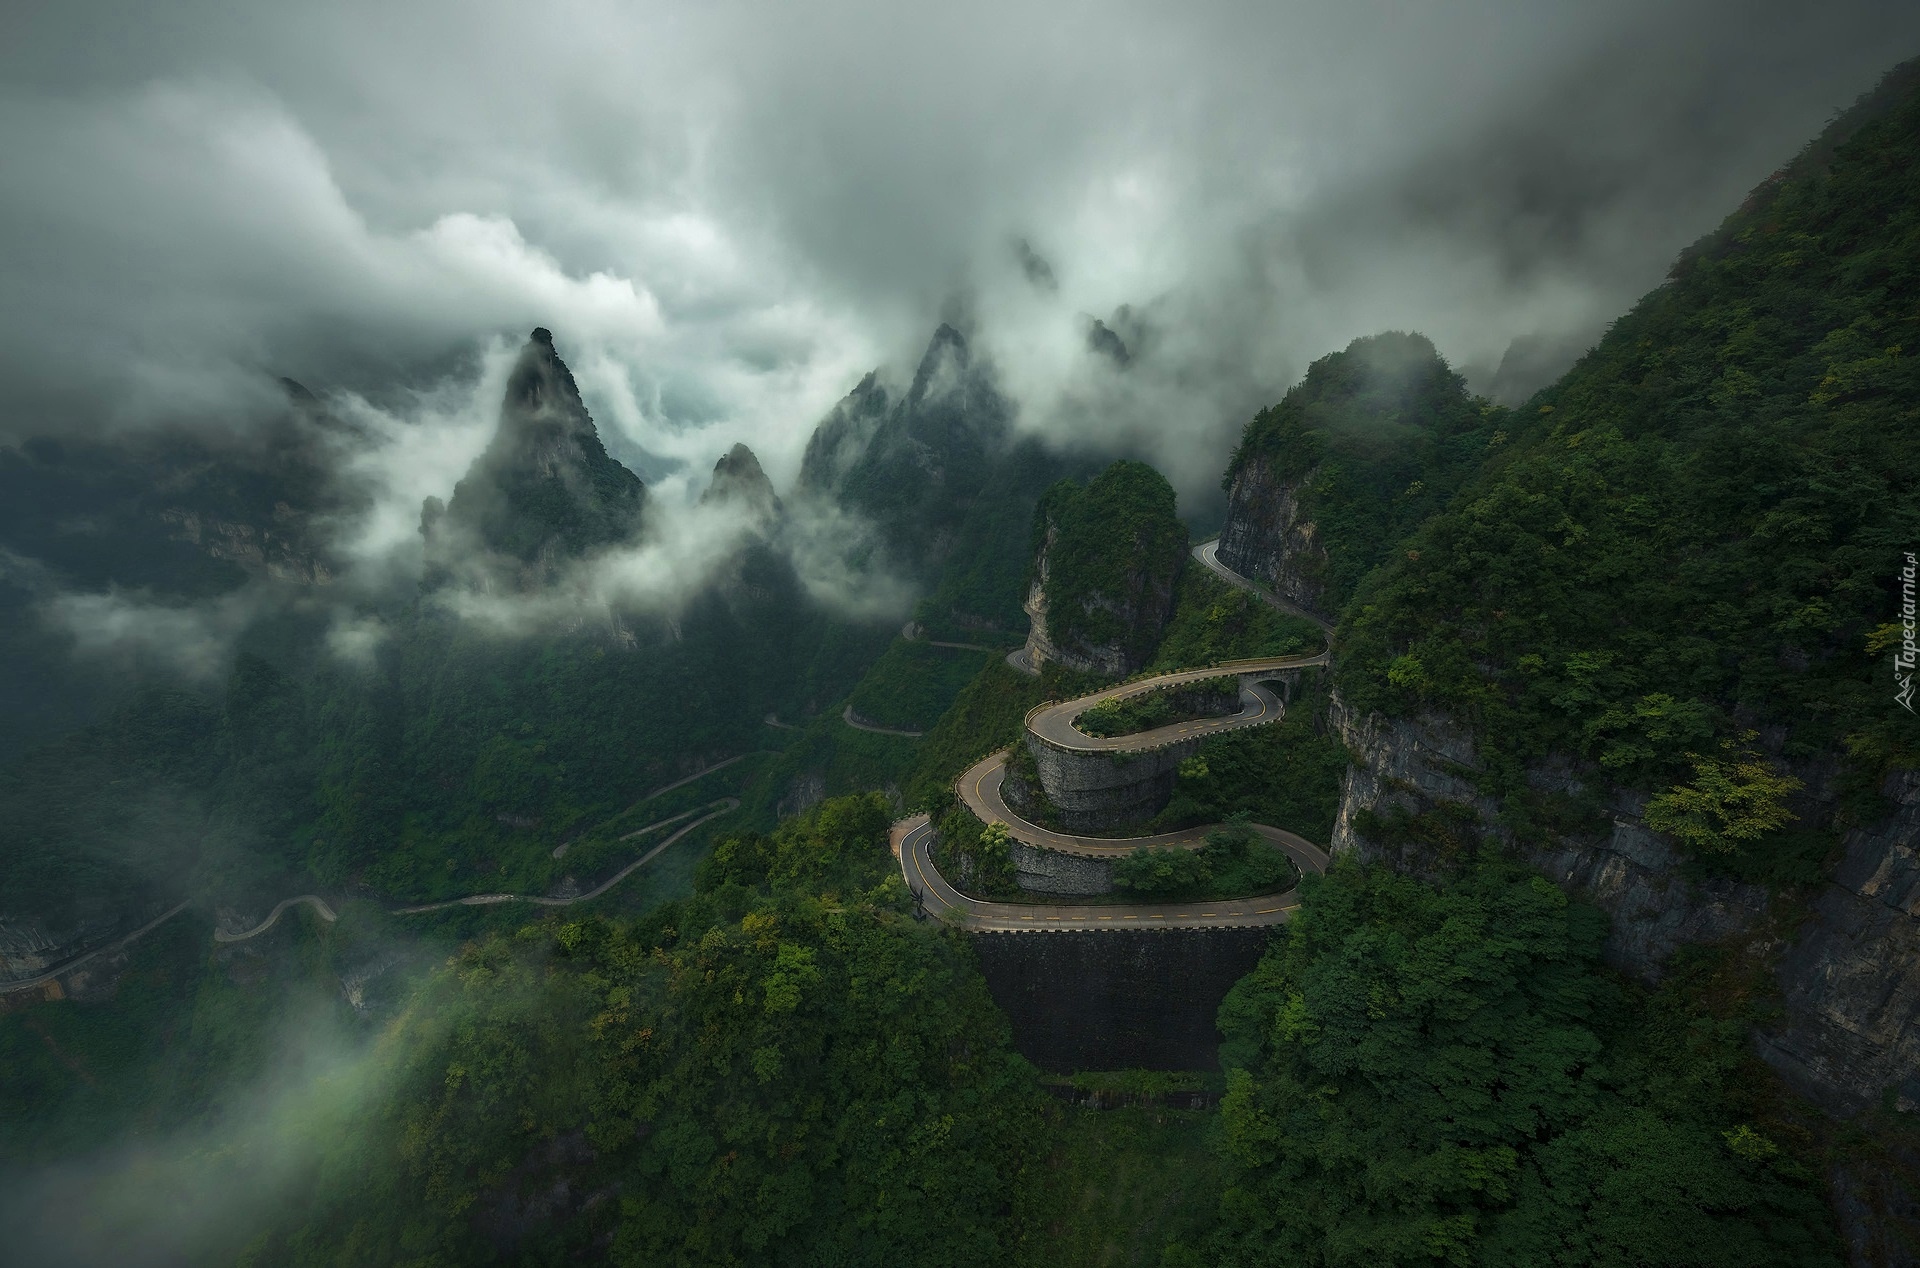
1265, 537
1141, 613
1850, 975
1629, 871
543, 495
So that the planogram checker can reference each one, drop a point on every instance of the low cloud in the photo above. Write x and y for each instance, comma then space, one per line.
140, 632
731, 214
199, 1193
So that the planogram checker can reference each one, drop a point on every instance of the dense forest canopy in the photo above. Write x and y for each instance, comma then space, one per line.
1679, 558
1423, 1074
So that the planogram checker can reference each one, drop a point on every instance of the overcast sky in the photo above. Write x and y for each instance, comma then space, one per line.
728, 213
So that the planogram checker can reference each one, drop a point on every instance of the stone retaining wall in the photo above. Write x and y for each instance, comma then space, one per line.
1051, 872
1116, 1000
1095, 792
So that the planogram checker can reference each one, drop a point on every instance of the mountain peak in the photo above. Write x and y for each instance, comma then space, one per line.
546, 488
739, 480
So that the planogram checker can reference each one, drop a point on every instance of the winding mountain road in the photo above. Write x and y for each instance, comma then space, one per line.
980, 789
321, 908
913, 632
1054, 723
314, 901
725, 805
912, 839
27, 984
1208, 554
858, 723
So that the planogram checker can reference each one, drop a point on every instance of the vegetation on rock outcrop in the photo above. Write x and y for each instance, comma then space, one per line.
1422, 1075
1371, 442
1106, 556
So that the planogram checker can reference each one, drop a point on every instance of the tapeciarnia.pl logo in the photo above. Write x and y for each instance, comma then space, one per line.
1903, 656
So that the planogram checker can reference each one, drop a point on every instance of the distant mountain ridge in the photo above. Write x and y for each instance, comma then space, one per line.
914, 464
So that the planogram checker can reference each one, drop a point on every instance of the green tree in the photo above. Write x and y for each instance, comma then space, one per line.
1422, 1074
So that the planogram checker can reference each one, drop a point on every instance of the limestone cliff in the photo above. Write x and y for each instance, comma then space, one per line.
1265, 536
739, 483
1105, 561
756, 580
1851, 974
914, 463
189, 513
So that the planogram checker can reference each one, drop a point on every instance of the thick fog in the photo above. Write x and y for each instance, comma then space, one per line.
728, 213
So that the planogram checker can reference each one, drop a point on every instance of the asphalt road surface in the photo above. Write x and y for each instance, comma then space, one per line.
1054, 723
1208, 553
912, 840
980, 790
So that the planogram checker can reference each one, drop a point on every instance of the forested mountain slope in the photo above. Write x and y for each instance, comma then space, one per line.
460, 749
1652, 640
1373, 440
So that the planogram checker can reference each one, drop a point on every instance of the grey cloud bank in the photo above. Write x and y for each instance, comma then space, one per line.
729, 214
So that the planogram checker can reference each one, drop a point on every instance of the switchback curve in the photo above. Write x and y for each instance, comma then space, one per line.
1054, 723
979, 789
1208, 554
858, 723
726, 805
314, 901
912, 840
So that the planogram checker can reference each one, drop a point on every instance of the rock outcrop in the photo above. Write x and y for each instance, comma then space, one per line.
1629, 871
739, 483
1101, 590
1265, 536
1851, 976
1325, 483
191, 513
915, 463
544, 493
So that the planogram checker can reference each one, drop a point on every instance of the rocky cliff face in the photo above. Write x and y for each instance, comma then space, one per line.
1849, 972
177, 513
1325, 483
1106, 557
1266, 537
1136, 616
840, 440
739, 483
1851, 975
